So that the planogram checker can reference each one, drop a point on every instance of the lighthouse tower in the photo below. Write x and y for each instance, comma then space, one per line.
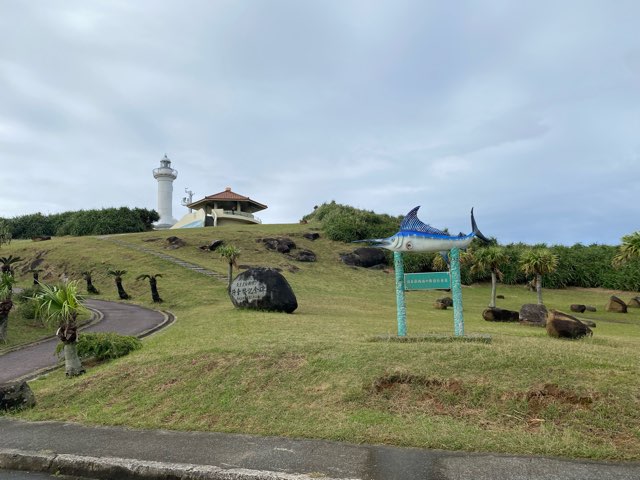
165, 175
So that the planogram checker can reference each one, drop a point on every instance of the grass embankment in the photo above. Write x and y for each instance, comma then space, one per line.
316, 373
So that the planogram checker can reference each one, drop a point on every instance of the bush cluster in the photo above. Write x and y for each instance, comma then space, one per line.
26, 304
578, 266
83, 222
344, 223
104, 346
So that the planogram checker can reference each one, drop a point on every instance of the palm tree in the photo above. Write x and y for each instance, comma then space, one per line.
59, 306
231, 254
6, 303
7, 262
90, 288
489, 259
629, 250
117, 274
440, 263
538, 262
154, 285
36, 275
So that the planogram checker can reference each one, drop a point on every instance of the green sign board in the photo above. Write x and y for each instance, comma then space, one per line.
427, 281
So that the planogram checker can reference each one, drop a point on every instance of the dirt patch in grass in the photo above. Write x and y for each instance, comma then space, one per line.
210, 362
161, 387
395, 380
284, 361
543, 395
404, 393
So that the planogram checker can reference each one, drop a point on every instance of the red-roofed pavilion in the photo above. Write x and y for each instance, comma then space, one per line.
221, 208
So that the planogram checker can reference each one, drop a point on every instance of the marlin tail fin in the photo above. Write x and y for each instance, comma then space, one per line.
475, 229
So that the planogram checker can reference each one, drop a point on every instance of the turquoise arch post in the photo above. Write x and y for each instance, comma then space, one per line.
398, 265
456, 290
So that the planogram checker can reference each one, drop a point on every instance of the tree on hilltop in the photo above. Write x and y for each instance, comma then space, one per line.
117, 275
538, 262
7, 263
489, 259
230, 254
87, 278
629, 250
153, 282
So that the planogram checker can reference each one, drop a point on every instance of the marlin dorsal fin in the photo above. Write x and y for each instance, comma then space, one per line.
413, 223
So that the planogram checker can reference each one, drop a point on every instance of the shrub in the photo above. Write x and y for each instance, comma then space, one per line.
25, 295
27, 310
83, 222
104, 346
344, 223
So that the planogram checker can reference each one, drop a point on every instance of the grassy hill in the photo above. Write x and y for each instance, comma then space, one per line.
316, 373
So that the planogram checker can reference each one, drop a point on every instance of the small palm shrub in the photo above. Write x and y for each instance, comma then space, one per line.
104, 346
28, 310
26, 303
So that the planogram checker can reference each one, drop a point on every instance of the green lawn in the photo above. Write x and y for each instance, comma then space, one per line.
317, 374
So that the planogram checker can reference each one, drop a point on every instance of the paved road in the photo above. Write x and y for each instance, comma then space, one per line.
117, 317
289, 458
18, 475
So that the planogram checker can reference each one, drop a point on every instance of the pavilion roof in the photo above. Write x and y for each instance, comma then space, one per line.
227, 196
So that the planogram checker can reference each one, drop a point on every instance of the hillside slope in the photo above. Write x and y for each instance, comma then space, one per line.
315, 373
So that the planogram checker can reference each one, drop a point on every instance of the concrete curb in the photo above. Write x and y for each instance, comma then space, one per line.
169, 319
112, 468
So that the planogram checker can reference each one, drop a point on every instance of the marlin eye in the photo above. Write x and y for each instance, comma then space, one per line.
409, 245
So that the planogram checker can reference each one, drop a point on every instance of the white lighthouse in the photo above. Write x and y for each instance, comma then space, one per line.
165, 175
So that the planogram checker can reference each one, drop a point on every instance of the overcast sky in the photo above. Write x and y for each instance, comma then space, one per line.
527, 111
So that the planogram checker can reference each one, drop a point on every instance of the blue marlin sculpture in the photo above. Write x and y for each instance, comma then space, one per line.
415, 236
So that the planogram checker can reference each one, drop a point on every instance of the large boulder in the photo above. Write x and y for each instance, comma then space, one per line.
440, 305
533, 314
213, 245
590, 308
634, 303
16, 396
495, 314
263, 289
448, 301
313, 236
305, 256
364, 257
578, 308
562, 325
174, 242
616, 305
280, 244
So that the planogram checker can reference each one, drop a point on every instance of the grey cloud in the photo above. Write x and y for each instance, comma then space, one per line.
528, 112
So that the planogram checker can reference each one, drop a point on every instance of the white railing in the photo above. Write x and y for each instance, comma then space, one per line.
242, 214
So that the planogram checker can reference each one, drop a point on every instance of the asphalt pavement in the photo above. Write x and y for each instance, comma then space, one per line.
22, 475
124, 453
